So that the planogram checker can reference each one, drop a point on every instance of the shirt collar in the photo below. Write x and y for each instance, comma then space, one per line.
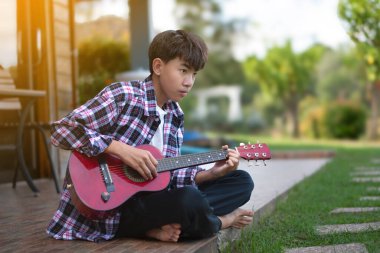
150, 101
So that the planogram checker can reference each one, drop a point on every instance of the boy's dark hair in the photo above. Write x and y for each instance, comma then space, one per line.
171, 44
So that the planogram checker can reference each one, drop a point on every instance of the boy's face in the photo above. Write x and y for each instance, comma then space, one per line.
175, 80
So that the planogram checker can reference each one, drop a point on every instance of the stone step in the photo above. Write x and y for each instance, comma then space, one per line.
367, 168
373, 189
370, 198
355, 209
348, 228
366, 173
366, 179
338, 248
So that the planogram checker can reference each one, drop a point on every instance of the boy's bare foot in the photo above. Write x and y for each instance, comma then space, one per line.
167, 233
237, 219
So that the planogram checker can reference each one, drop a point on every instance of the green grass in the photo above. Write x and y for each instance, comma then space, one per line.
308, 204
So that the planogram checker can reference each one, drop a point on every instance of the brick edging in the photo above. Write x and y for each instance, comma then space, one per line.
302, 154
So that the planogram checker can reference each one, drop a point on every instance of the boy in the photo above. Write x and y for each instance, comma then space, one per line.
198, 202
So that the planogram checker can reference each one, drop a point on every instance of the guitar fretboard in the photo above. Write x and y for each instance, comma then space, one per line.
184, 161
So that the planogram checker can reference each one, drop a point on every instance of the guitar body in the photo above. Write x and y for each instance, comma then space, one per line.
86, 183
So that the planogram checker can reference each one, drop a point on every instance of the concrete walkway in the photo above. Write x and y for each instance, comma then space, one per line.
278, 177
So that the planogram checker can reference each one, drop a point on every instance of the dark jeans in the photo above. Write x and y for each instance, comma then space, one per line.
195, 209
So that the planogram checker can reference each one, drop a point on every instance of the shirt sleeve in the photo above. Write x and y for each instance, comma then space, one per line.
87, 128
184, 177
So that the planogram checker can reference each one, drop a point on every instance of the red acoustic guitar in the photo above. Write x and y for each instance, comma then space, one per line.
100, 184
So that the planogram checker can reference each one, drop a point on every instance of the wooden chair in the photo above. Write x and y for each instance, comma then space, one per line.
11, 123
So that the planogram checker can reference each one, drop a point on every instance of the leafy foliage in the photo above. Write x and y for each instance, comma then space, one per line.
220, 71
286, 75
340, 75
103, 55
345, 120
362, 19
205, 19
100, 59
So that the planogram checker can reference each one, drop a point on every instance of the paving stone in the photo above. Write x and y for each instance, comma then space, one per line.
370, 198
355, 209
367, 168
373, 189
347, 228
338, 248
366, 173
366, 179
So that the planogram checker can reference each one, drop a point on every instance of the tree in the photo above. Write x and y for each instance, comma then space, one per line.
286, 76
362, 19
340, 75
205, 19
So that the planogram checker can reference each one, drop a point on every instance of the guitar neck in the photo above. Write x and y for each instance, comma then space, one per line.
173, 163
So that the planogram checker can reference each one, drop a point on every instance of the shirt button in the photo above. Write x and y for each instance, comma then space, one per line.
156, 119
149, 136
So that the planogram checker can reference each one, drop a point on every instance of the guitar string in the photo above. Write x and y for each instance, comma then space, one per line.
183, 160
187, 158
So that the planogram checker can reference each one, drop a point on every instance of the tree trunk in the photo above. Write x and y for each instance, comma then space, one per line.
293, 112
375, 98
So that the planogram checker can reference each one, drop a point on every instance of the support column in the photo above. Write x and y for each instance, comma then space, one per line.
140, 19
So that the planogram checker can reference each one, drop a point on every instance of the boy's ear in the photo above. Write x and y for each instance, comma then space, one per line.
157, 65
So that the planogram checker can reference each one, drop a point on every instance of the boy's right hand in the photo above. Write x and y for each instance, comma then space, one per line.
140, 160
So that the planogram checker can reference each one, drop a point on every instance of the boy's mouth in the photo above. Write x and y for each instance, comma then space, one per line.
183, 92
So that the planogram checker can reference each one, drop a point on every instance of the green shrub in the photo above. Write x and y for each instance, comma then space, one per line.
103, 55
89, 86
345, 120
99, 60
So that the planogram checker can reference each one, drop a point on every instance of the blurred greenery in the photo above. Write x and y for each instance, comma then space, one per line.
100, 59
362, 19
284, 92
286, 75
345, 120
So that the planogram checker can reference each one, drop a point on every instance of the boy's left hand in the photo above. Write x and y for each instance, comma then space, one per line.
222, 168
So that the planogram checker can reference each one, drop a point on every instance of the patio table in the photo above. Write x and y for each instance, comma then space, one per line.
29, 96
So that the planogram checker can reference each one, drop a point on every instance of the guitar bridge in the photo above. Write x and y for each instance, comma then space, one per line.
107, 179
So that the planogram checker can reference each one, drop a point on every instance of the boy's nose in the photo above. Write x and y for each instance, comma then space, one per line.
189, 81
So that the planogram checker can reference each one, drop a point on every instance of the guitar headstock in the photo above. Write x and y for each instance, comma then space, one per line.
258, 151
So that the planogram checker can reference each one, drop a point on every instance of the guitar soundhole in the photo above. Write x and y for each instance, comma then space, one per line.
133, 175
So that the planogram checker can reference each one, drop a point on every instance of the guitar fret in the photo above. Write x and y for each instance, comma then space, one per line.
190, 160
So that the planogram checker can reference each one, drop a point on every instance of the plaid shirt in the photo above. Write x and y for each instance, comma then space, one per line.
124, 111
